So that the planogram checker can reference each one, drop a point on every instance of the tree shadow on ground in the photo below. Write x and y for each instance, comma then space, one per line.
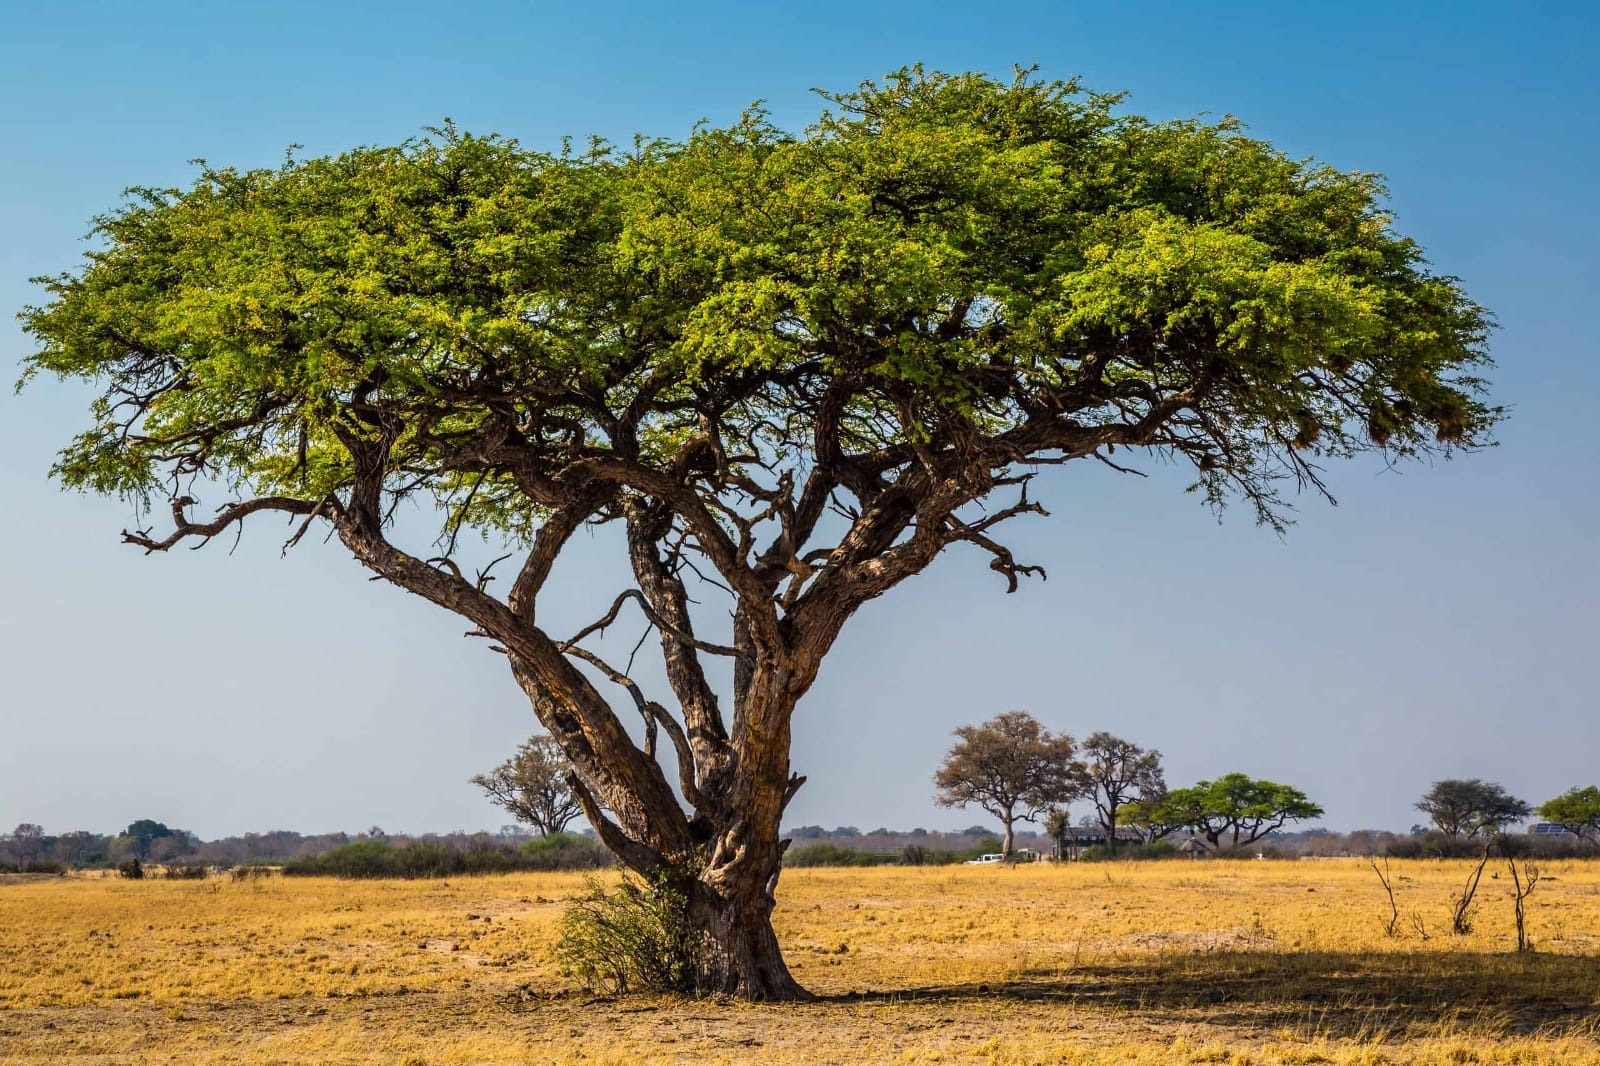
1320, 994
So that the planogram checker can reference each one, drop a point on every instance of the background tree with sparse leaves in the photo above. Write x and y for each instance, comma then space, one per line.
796, 364
1118, 773
1010, 766
532, 786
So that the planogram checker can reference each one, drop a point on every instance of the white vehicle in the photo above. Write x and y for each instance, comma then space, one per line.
985, 860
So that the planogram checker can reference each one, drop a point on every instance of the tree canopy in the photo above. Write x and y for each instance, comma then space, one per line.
797, 365
1012, 767
1118, 773
1236, 806
1577, 809
1471, 806
532, 785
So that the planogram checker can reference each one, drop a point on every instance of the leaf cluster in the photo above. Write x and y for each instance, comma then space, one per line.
942, 268
1008, 762
1471, 807
1235, 805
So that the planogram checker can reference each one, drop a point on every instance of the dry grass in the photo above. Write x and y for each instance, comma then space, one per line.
1154, 963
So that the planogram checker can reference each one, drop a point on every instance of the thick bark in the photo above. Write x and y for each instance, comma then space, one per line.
726, 858
731, 920
1009, 839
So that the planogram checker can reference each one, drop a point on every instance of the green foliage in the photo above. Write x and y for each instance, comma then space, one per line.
1471, 807
973, 254
133, 870
635, 938
143, 833
1234, 806
378, 859
1577, 808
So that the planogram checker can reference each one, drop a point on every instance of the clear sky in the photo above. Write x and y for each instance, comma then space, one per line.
1439, 622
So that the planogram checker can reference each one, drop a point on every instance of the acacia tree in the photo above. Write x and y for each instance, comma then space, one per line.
1466, 808
1012, 767
1236, 805
1117, 772
798, 365
1576, 810
533, 785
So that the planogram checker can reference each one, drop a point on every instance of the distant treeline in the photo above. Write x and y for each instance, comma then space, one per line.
380, 859
849, 846
375, 854
29, 849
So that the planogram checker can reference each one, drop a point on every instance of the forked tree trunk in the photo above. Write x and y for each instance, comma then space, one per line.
733, 895
722, 855
738, 951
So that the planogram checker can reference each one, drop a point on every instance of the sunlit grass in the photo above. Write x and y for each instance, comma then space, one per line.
1252, 962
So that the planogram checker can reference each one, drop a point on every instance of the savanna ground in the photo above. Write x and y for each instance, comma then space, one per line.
1236, 962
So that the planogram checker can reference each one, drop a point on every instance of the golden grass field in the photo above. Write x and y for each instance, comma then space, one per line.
1177, 962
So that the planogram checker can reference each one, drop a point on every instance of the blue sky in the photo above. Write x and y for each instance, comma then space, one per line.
1439, 622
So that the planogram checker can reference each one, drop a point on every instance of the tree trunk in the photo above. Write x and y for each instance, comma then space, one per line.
1009, 838
738, 952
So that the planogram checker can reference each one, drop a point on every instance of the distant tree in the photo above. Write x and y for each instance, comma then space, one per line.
533, 785
177, 844
27, 842
141, 834
1471, 807
79, 847
1116, 772
1056, 823
1576, 810
1141, 815
1010, 766
1234, 806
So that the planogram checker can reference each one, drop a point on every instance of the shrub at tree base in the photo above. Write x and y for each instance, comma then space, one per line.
377, 859
636, 938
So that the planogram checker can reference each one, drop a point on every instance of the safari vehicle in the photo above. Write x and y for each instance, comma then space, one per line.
985, 860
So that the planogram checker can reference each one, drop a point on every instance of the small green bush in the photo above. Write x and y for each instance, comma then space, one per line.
379, 859
636, 938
